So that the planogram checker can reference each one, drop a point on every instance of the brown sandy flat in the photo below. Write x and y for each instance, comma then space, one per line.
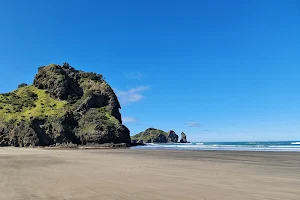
41, 174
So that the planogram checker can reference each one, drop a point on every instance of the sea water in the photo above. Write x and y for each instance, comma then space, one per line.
291, 146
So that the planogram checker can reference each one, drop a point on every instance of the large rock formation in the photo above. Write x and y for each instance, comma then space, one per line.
183, 138
62, 106
152, 135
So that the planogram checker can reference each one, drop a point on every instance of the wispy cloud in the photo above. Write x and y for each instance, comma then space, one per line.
134, 75
206, 130
131, 95
129, 119
192, 124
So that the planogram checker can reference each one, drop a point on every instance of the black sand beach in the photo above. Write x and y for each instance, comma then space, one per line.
42, 174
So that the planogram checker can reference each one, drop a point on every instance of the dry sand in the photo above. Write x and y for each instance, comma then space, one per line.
41, 174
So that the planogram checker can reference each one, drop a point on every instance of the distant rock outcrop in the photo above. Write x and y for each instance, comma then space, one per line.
183, 138
152, 135
172, 137
64, 105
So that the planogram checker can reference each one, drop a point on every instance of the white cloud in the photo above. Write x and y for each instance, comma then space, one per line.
192, 124
131, 95
128, 119
134, 75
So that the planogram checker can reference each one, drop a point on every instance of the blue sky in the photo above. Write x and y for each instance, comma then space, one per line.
217, 70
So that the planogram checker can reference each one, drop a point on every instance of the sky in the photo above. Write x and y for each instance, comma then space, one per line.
219, 70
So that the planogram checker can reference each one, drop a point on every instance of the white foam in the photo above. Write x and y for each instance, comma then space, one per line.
202, 146
151, 144
295, 143
183, 143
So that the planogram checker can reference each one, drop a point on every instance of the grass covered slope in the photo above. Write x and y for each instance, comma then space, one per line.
29, 102
63, 105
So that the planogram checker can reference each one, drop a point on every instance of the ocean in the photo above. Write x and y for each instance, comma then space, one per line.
284, 146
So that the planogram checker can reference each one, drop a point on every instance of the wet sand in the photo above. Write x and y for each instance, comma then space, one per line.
126, 174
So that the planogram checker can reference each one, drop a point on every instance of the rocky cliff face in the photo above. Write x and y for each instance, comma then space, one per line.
63, 105
183, 138
172, 137
152, 135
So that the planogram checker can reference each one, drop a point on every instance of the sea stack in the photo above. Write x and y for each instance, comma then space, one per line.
172, 137
183, 138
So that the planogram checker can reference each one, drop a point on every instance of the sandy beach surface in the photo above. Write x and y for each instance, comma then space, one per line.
123, 174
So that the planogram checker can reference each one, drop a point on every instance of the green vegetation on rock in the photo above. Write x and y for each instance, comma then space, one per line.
152, 135
63, 105
29, 102
100, 127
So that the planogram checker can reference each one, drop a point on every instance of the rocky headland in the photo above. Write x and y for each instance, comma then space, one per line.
62, 106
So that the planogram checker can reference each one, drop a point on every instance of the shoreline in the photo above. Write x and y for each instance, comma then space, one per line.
278, 146
137, 148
